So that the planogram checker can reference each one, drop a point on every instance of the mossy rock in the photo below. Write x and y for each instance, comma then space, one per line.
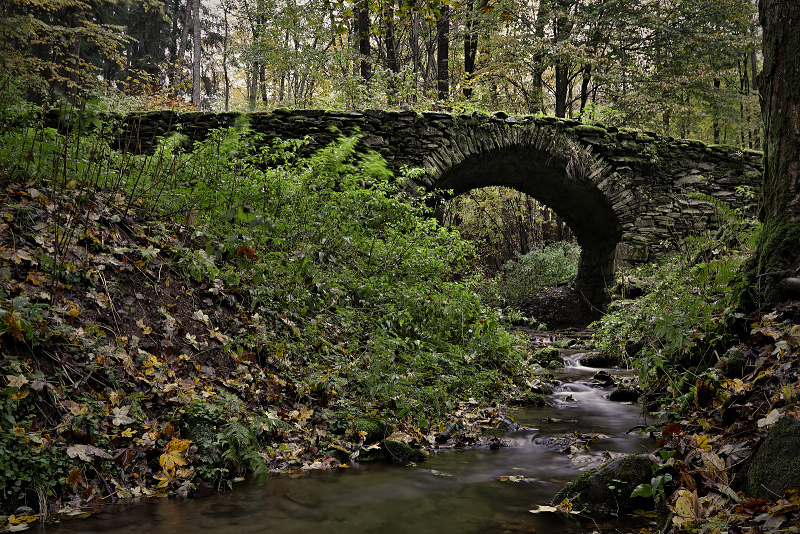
735, 364
624, 395
373, 429
549, 357
402, 452
607, 489
596, 359
776, 465
530, 399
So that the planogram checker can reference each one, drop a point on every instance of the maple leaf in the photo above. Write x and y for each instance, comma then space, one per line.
85, 452
120, 416
172, 456
700, 442
16, 381
15, 326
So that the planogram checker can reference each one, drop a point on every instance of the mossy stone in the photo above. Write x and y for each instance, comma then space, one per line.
373, 429
397, 450
776, 465
549, 357
597, 359
607, 489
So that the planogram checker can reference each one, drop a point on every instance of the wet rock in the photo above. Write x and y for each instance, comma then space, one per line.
624, 395
548, 357
607, 490
507, 424
603, 379
776, 464
595, 359
373, 429
529, 399
402, 452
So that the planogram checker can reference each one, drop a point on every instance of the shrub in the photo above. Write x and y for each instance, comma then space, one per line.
542, 267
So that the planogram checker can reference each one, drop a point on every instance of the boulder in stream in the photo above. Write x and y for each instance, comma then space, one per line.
607, 489
403, 452
596, 359
623, 394
549, 357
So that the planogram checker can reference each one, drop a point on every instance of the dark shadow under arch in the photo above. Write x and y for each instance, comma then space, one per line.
544, 177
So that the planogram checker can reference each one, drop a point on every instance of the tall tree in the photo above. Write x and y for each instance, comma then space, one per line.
196, 42
363, 22
778, 254
443, 52
45, 44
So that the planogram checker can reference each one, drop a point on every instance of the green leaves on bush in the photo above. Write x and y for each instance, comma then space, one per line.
542, 267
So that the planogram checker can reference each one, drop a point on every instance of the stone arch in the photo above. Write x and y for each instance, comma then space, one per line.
550, 167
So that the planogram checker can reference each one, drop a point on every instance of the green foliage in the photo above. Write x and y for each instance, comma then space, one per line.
686, 314
31, 467
542, 267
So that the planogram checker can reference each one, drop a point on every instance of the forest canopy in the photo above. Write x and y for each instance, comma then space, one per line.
677, 67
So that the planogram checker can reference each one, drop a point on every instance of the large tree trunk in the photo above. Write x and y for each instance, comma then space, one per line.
778, 253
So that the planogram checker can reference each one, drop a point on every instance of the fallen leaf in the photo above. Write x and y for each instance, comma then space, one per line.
120, 416
85, 452
145, 329
16, 381
200, 316
686, 508
771, 418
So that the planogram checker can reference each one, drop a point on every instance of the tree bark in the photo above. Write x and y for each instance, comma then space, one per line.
443, 52
471, 43
363, 37
778, 253
196, 53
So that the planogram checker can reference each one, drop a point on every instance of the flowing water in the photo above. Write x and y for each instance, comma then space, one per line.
453, 492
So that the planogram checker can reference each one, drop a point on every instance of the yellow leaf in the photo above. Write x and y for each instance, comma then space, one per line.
145, 329
129, 433
700, 442
178, 445
14, 326
685, 508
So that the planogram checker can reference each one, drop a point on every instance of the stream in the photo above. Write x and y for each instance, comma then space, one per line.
474, 491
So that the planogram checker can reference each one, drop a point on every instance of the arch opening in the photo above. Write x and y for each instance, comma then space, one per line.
579, 203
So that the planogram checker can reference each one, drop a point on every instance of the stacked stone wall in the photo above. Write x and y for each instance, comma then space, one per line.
655, 189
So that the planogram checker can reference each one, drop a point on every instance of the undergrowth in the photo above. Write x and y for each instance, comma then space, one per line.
210, 310
544, 266
687, 316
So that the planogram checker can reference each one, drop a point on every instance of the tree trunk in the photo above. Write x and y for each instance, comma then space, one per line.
562, 88
471, 43
778, 253
443, 52
363, 37
716, 112
196, 53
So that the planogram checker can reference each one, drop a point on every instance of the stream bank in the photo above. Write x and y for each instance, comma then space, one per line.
464, 490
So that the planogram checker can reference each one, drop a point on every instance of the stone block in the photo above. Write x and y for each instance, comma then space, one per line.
632, 252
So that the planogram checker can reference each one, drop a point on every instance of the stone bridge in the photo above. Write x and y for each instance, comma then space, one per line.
627, 195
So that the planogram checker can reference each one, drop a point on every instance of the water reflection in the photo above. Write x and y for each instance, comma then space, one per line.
453, 492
